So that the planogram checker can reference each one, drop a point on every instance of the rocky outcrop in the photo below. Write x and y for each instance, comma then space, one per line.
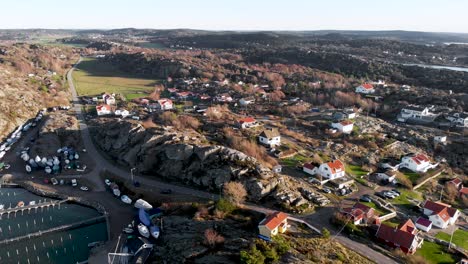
182, 156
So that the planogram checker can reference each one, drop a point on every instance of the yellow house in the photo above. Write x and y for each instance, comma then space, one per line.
272, 224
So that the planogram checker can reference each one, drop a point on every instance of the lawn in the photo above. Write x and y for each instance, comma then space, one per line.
294, 160
94, 77
460, 238
372, 205
435, 253
355, 170
403, 198
412, 176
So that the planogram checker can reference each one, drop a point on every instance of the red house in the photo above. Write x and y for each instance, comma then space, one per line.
405, 237
361, 214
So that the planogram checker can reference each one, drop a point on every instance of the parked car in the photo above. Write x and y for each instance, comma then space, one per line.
365, 198
107, 181
54, 181
389, 195
396, 191
381, 195
84, 188
326, 190
74, 183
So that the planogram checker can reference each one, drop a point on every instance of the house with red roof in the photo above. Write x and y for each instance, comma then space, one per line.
441, 215
345, 126
164, 104
332, 170
365, 88
417, 163
361, 214
423, 224
273, 224
310, 168
456, 182
103, 109
463, 192
247, 122
404, 237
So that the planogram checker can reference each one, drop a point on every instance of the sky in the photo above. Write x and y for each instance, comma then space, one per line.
418, 15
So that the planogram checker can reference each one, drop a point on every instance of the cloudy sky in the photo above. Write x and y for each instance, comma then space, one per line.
420, 15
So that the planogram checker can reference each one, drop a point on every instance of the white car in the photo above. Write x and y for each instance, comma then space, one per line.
393, 193
84, 188
74, 183
108, 182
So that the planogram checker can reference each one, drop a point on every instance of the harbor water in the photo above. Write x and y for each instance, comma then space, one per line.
61, 233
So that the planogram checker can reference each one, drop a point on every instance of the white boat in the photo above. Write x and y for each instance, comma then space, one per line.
126, 199
108, 182
142, 204
154, 231
116, 192
143, 230
2, 206
128, 230
32, 202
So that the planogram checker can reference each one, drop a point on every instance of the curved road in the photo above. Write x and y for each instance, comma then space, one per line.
104, 164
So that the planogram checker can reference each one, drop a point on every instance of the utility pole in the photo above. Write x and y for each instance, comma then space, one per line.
451, 236
131, 174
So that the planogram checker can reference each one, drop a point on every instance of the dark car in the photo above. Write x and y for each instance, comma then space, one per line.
166, 191
381, 195
365, 198
397, 191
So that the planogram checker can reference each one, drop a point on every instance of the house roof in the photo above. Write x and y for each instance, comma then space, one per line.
100, 107
309, 166
443, 214
456, 181
415, 108
356, 213
420, 158
164, 101
366, 209
396, 236
246, 120
335, 165
407, 226
424, 222
464, 191
346, 123
270, 133
437, 207
272, 221
367, 86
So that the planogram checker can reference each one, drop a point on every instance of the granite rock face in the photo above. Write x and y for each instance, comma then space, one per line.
182, 156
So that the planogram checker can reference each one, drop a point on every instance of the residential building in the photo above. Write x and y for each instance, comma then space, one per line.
440, 139
416, 113
360, 214
247, 122
273, 224
225, 98
103, 109
247, 101
417, 163
423, 224
388, 175
365, 88
310, 168
277, 169
456, 182
108, 99
331, 170
458, 118
441, 215
404, 237
270, 137
344, 126
164, 104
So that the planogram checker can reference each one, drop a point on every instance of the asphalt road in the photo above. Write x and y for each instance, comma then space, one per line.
319, 219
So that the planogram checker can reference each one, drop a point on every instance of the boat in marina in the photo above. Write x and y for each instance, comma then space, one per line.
116, 192
144, 217
20, 204
154, 231
142, 204
2, 206
143, 230
126, 199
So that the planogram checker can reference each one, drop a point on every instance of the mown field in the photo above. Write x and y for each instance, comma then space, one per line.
93, 77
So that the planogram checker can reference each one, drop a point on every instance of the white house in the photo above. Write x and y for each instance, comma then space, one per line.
103, 109
415, 112
247, 122
365, 88
388, 175
123, 113
108, 99
226, 98
164, 104
440, 214
270, 137
344, 126
309, 168
273, 224
458, 119
330, 170
423, 224
417, 163
440, 139
246, 101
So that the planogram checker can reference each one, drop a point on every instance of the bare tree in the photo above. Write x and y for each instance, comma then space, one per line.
234, 192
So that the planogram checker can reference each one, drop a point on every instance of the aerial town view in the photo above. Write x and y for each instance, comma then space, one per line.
243, 132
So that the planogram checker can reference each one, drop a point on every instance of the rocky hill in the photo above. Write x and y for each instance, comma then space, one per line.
31, 79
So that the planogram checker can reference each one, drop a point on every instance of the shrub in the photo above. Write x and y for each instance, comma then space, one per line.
253, 256
212, 238
325, 233
281, 245
225, 206
234, 192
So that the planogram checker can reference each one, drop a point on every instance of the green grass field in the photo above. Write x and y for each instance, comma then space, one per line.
402, 200
435, 253
293, 161
93, 77
355, 170
460, 238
